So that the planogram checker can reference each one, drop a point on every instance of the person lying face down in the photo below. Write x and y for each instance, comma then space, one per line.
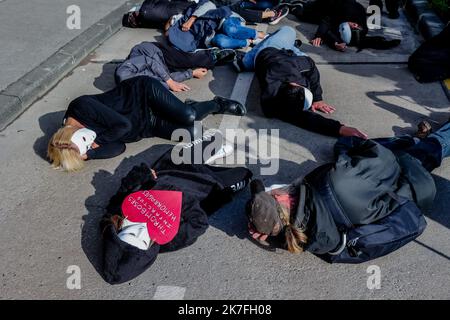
148, 59
162, 209
290, 85
203, 25
98, 126
370, 181
342, 23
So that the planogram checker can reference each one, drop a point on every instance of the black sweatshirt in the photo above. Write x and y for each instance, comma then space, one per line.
204, 190
118, 116
275, 67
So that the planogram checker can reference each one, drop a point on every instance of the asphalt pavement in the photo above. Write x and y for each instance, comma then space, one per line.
49, 219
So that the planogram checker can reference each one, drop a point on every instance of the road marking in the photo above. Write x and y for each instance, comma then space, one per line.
240, 92
169, 293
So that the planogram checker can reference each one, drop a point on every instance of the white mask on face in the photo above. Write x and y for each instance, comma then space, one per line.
308, 99
83, 138
135, 234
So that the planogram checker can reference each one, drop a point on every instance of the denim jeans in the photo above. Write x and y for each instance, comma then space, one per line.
284, 38
429, 151
234, 35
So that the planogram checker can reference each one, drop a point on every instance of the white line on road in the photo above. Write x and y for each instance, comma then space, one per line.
169, 293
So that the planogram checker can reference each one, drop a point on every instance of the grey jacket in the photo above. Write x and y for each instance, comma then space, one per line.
146, 59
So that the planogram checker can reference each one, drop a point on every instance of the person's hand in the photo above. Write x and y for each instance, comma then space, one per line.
177, 86
340, 46
188, 24
199, 73
256, 235
316, 42
351, 132
322, 107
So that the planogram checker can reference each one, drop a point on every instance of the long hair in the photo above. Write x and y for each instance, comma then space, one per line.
61, 153
295, 238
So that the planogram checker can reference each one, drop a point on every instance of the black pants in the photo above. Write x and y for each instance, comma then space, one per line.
179, 60
155, 13
391, 5
170, 113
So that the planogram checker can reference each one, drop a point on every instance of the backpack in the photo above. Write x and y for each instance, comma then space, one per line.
366, 242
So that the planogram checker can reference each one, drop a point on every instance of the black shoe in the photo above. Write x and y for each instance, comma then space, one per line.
223, 56
237, 62
298, 43
393, 15
228, 106
280, 13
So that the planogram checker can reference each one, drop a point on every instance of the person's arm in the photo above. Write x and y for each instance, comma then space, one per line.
180, 76
106, 151
138, 178
201, 10
125, 70
193, 224
314, 82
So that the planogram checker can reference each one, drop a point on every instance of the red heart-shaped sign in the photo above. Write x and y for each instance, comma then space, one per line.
159, 209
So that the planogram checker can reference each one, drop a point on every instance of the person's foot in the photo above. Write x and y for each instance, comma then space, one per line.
228, 106
223, 56
423, 129
237, 62
280, 13
393, 15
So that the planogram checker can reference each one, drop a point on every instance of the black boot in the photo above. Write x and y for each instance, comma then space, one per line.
223, 56
228, 106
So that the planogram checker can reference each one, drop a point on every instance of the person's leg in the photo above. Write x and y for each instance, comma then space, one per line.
284, 38
250, 15
232, 27
259, 5
431, 150
226, 42
392, 6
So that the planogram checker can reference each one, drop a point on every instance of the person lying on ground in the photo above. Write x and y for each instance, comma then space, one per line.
364, 205
98, 126
219, 27
163, 207
342, 23
147, 59
154, 13
290, 85
431, 61
259, 11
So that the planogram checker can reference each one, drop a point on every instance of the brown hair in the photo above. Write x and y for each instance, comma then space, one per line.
295, 238
61, 152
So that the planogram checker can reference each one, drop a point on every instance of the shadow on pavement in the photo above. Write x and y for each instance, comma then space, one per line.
49, 124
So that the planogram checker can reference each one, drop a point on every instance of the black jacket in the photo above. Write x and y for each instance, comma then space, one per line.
275, 67
364, 181
204, 190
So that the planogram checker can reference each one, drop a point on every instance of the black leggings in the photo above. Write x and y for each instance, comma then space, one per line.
155, 13
170, 113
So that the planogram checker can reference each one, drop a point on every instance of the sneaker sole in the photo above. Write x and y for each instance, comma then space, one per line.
279, 19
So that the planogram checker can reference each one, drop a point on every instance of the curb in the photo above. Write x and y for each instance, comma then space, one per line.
18, 96
423, 18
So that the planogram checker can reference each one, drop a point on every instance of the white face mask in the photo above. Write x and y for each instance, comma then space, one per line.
83, 138
308, 99
135, 234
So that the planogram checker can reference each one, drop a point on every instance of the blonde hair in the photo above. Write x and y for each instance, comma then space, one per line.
295, 238
61, 153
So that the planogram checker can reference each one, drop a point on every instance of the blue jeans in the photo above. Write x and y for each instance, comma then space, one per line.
234, 35
259, 5
429, 151
284, 38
